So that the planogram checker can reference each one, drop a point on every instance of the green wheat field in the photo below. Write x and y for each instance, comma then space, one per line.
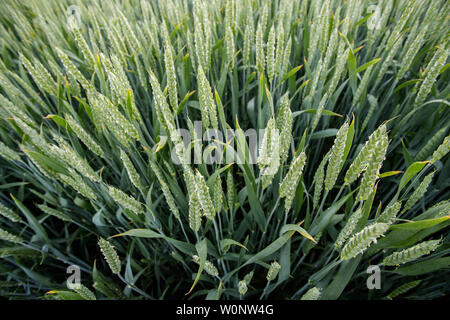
128, 168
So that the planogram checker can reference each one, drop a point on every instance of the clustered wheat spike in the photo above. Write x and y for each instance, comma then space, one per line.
76, 181
279, 51
433, 70
319, 111
84, 136
248, 277
264, 154
389, 213
373, 167
6, 236
36, 139
360, 241
229, 39
72, 70
110, 117
315, 79
208, 267
393, 49
204, 196
403, 289
124, 91
312, 294
73, 160
199, 45
270, 55
28, 89
218, 194
122, 94
40, 75
171, 77
128, 202
411, 53
329, 53
110, 255
54, 212
269, 153
131, 170
341, 62
260, 62
349, 228
44, 169
319, 177
442, 150
231, 199
336, 157
8, 153
362, 88
163, 112
290, 181
273, 271
372, 153
431, 145
419, 191
412, 253
207, 104
242, 287
373, 103
84, 47
284, 126
324, 25
249, 38
84, 292
441, 209
195, 209
166, 191
286, 57
9, 214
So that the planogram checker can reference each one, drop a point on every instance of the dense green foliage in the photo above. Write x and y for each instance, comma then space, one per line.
351, 171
